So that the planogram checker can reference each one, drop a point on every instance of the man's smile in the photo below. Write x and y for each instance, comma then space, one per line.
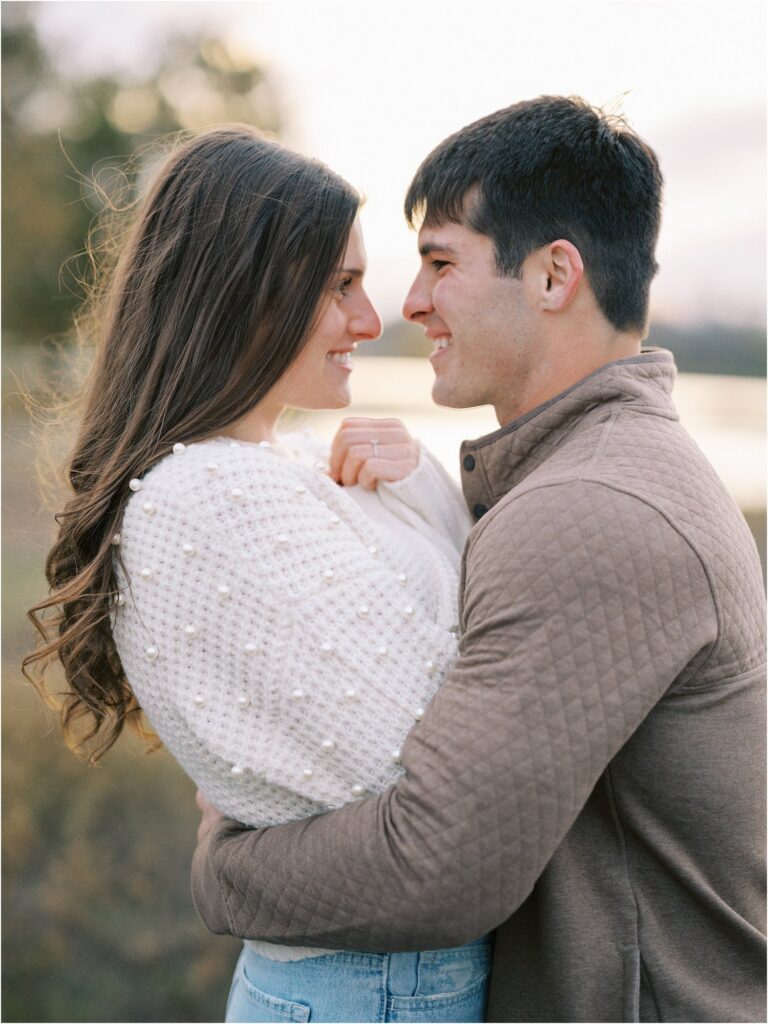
439, 346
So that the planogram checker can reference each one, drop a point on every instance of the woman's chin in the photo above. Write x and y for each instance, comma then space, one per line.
337, 396
341, 402
332, 398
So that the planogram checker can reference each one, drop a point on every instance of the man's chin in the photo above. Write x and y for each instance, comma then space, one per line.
449, 398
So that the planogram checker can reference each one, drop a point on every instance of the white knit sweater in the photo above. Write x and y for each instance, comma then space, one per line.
281, 640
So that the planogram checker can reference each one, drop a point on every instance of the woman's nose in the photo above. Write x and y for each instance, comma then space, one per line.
366, 326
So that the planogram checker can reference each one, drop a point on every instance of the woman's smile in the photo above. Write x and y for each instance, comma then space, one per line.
341, 358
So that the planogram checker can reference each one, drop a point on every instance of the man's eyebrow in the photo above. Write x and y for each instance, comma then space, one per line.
428, 247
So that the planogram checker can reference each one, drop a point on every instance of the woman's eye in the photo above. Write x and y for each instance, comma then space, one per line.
343, 286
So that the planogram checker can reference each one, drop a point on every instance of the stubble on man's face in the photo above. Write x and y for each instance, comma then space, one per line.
491, 334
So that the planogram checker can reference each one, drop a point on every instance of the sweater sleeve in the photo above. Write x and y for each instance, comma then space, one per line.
276, 650
582, 606
430, 500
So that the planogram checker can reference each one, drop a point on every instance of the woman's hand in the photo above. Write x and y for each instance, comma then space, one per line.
365, 451
210, 815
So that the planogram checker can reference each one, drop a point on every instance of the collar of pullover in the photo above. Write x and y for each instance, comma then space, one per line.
492, 465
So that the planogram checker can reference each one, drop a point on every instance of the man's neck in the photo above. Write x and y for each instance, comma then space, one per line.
563, 365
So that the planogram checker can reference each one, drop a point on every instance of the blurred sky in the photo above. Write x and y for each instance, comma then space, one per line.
371, 87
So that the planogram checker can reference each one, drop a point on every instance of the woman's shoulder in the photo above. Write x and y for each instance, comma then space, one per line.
216, 459
226, 489
203, 475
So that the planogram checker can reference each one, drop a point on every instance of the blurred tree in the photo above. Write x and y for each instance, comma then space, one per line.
58, 133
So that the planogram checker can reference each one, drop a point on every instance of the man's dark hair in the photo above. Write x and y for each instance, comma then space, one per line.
549, 168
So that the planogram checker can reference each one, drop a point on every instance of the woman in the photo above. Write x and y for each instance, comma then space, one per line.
282, 636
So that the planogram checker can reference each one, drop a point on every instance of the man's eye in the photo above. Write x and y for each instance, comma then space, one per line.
439, 264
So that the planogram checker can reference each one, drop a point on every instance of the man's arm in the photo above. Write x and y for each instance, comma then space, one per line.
582, 606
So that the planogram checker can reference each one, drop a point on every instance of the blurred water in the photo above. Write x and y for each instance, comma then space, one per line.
725, 415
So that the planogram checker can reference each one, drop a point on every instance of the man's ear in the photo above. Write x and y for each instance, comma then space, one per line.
561, 271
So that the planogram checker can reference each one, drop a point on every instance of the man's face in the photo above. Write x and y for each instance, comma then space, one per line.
481, 325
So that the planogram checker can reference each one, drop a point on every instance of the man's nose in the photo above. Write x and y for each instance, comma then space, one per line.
418, 301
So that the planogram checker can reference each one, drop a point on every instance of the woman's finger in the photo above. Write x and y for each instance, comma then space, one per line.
362, 430
404, 456
374, 470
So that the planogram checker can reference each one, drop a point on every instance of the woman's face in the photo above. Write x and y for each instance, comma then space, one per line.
319, 378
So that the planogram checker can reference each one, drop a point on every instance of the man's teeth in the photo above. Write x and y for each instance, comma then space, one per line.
342, 358
440, 343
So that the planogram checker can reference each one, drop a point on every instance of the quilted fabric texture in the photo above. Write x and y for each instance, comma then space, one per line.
588, 779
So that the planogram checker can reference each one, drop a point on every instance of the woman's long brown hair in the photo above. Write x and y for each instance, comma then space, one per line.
215, 294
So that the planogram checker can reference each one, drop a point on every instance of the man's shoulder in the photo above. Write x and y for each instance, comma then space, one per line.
644, 465
650, 528
574, 514
569, 533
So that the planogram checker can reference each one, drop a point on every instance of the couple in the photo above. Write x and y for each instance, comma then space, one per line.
539, 805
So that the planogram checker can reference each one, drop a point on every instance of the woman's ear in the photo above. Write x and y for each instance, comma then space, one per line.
561, 272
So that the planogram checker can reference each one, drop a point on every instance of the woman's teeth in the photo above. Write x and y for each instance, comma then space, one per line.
440, 343
342, 358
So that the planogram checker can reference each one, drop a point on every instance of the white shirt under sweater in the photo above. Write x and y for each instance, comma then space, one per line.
281, 632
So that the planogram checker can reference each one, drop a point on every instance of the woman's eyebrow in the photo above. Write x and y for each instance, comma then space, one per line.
352, 271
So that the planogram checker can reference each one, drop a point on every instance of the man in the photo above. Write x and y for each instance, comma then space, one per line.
586, 781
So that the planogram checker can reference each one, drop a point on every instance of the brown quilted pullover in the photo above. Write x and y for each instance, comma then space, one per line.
588, 780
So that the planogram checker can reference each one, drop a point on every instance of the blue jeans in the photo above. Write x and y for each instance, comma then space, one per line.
439, 985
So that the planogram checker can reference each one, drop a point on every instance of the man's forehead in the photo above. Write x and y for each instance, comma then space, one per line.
445, 237
448, 238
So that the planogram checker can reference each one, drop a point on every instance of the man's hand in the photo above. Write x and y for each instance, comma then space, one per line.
210, 815
365, 451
